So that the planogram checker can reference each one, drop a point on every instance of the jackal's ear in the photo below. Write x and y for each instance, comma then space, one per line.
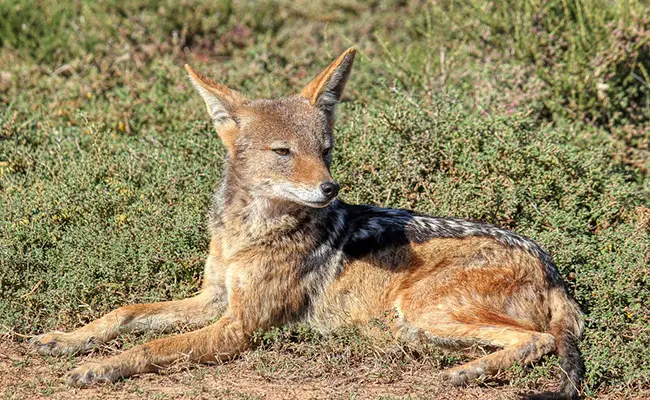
326, 90
221, 103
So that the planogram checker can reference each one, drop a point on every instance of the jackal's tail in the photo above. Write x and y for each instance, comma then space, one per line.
567, 326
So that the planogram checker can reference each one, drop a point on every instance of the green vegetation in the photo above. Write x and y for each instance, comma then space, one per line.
534, 116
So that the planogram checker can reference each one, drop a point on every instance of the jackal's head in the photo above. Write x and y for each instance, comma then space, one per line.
280, 149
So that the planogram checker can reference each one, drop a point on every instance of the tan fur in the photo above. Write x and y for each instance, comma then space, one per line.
454, 291
231, 100
314, 90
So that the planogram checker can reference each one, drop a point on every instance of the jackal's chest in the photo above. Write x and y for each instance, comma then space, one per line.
279, 276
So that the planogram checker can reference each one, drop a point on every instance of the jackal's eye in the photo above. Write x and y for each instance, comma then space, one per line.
327, 152
282, 151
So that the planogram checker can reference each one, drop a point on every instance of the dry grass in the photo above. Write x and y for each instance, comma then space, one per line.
285, 370
260, 374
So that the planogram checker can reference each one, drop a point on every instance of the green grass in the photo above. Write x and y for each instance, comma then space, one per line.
532, 116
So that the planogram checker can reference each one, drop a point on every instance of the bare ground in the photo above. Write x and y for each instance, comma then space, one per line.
25, 375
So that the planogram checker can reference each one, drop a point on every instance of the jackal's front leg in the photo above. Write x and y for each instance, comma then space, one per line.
162, 316
220, 341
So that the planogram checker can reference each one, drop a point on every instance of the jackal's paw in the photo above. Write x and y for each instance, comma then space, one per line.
61, 343
461, 375
91, 373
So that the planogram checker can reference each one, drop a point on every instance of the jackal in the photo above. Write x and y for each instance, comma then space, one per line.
284, 249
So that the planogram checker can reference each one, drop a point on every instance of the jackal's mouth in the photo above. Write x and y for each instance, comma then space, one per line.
301, 195
315, 204
311, 203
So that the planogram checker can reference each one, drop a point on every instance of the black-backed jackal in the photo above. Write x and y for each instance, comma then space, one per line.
283, 249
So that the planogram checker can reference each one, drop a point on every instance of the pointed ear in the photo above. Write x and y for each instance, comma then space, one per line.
326, 90
221, 103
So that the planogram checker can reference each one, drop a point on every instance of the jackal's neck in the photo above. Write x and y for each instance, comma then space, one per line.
238, 210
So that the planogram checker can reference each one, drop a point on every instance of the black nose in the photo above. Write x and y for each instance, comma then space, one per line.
330, 189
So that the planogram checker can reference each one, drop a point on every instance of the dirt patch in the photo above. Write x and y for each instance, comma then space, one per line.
25, 375
28, 376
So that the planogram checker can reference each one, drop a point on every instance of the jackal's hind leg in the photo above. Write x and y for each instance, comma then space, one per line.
195, 311
519, 346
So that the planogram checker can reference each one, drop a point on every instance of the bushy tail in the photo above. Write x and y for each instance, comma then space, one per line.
567, 326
